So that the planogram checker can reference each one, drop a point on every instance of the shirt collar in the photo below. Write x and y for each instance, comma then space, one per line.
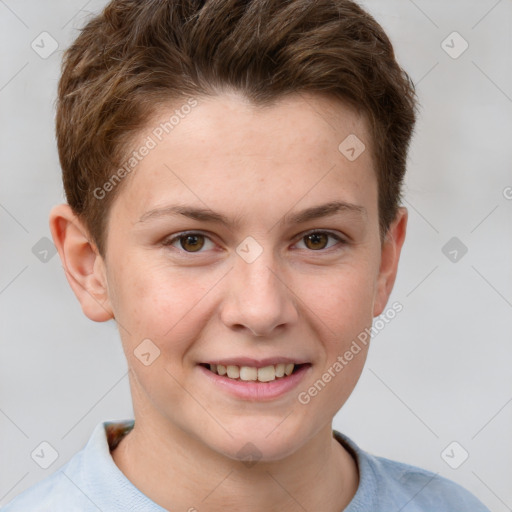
109, 489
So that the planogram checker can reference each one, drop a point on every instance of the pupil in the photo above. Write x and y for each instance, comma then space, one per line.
192, 241
315, 238
194, 245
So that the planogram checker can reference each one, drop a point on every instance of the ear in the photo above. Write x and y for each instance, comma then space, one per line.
390, 254
84, 267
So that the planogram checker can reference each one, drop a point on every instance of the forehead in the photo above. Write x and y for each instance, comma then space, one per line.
227, 153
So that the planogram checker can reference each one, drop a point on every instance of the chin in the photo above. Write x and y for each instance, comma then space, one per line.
263, 442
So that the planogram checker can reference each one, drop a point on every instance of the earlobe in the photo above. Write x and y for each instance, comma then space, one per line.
390, 256
82, 263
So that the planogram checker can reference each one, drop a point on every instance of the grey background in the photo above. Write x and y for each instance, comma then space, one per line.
438, 373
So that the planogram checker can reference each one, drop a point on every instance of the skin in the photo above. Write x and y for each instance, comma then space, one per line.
297, 299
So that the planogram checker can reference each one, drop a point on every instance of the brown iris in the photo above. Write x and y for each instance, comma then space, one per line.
192, 243
195, 242
316, 240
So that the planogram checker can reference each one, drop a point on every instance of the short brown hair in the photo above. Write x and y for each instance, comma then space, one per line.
136, 55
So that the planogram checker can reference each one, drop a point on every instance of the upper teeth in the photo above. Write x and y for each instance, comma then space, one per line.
265, 374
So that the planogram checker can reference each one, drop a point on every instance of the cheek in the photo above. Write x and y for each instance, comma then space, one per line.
341, 299
340, 307
165, 305
342, 314
147, 302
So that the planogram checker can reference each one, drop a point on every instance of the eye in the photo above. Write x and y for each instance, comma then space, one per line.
193, 242
190, 242
317, 240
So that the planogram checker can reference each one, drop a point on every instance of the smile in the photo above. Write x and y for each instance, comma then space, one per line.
250, 373
255, 383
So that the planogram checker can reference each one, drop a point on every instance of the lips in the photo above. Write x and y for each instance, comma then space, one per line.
255, 390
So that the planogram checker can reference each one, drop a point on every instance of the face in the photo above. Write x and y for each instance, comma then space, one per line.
274, 258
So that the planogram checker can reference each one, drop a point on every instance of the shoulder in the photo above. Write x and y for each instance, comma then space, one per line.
55, 493
422, 490
89, 481
386, 484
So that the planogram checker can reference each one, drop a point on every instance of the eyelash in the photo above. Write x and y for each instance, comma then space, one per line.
169, 241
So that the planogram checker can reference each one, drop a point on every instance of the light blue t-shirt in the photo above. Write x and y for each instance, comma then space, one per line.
91, 482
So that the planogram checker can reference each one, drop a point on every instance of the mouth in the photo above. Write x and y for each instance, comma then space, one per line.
264, 374
255, 380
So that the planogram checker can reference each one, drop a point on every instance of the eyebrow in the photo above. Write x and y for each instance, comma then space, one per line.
207, 215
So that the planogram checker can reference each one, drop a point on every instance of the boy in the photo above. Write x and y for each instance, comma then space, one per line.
207, 148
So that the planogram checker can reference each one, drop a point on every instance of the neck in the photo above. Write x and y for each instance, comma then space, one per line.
179, 472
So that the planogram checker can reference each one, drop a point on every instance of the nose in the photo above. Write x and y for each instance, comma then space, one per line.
258, 297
